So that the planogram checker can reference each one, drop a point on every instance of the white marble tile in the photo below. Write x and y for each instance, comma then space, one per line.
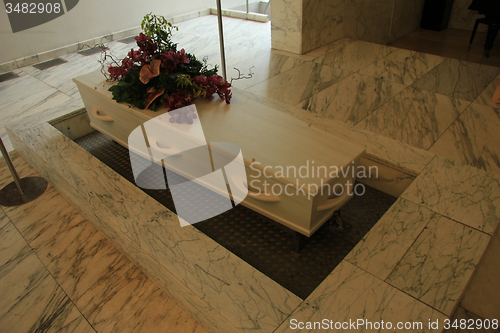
403, 66
438, 266
286, 26
79, 325
473, 139
12, 244
22, 168
458, 78
322, 23
469, 322
299, 83
21, 93
263, 67
416, 117
319, 52
462, 193
386, 243
44, 109
482, 294
486, 96
368, 20
349, 293
31, 299
212, 273
406, 17
352, 99
60, 77
355, 56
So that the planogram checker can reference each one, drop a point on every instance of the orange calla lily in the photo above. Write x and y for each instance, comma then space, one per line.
149, 71
151, 95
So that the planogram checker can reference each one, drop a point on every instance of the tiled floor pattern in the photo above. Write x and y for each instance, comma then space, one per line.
425, 100
59, 274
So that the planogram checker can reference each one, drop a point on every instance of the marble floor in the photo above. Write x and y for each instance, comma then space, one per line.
425, 100
451, 43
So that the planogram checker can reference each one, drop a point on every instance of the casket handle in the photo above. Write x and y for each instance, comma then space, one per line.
337, 202
96, 114
334, 203
267, 197
155, 146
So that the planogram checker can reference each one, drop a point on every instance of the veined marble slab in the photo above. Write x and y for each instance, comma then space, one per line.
368, 20
473, 139
60, 76
350, 293
386, 243
461, 193
286, 26
31, 298
352, 99
323, 23
458, 78
300, 83
216, 276
416, 117
438, 266
406, 17
485, 98
263, 67
355, 56
403, 66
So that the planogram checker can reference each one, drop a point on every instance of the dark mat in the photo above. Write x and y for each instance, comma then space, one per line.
127, 40
93, 50
261, 242
50, 63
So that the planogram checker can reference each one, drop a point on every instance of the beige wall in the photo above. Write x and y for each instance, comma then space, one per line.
89, 19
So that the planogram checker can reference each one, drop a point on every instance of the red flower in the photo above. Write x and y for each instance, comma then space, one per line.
117, 72
145, 44
177, 100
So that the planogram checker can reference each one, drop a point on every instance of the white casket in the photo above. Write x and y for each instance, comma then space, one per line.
297, 175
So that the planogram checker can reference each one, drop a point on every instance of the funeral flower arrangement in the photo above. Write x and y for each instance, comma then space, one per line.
158, 74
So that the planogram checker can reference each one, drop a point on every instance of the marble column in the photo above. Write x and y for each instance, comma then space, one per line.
299, 26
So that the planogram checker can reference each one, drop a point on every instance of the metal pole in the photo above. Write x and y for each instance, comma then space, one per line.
11, 167
247, 6
221, 39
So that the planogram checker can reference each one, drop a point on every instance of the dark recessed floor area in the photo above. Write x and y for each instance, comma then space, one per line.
93, 50
127, 40
8, 76
261, 242
50, 63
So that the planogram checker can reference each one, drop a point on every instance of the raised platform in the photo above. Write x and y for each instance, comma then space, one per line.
413, 266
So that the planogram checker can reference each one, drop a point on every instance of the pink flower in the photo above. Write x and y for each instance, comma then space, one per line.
149, 71
117, 72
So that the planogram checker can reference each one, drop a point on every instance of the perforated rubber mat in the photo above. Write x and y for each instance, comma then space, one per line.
261, 242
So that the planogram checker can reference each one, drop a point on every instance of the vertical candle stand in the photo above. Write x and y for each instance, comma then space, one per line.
20, 191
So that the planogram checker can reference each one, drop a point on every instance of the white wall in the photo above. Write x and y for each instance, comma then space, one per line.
89, 19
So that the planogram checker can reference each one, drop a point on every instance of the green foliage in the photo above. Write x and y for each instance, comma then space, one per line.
160, 31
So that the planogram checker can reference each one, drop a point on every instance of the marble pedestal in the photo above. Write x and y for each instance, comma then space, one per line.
412, 266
